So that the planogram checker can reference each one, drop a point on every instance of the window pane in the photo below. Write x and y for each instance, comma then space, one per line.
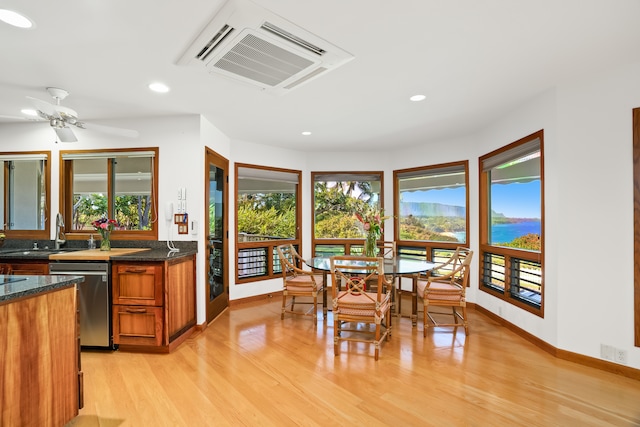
133, 192
515, 203
27, 195
493, 274
335, 205
89, 192
526, 281
433, 206
267, 204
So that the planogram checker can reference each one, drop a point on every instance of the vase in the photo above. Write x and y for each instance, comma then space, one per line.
371, 245
105, 244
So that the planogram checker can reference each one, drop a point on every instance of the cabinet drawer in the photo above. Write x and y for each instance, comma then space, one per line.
137, 285
137, 325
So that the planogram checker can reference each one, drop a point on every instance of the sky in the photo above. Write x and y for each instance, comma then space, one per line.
516, 200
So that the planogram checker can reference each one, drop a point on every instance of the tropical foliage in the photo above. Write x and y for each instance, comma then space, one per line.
132, 212
529, 241
271, 215
431, 228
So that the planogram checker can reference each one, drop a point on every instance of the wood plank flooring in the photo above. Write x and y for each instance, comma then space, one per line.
249, 368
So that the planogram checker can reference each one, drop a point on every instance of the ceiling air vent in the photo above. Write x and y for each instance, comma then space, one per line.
250, 44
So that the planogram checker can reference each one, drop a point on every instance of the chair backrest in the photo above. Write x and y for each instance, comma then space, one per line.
290, 261
351, 274
456, 268
387, 249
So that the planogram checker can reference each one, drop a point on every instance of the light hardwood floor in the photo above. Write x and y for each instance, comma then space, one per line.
249, 368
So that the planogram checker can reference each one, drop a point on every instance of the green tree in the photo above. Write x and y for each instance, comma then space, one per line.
267, 214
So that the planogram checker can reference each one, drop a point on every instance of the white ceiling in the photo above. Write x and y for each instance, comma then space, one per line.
473, 59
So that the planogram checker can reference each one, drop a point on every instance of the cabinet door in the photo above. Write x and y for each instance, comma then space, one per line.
137, 284
137, 325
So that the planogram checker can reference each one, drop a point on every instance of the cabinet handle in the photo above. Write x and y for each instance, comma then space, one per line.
136, 310
135, 270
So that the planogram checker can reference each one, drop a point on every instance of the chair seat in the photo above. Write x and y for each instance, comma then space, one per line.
360, 305
303, 282
442, 291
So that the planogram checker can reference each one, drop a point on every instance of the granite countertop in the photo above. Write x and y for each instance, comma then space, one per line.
116, 254
14, 287
154, 255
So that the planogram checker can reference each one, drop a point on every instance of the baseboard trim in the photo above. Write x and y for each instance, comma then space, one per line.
581, 359
255, 298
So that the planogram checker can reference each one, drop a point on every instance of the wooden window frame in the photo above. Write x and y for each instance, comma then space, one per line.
350, 246
30, 234
66, 195
510, 253
429, 245
268, 246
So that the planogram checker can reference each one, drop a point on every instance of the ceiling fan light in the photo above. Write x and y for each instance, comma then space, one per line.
14, 18
29, 112
159, 87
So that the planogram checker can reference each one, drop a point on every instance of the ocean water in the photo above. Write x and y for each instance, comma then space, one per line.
505, 233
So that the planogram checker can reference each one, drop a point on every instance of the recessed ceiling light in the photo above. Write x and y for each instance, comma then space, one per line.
306, 133
417, 98
14, 18
159, 87
29, 112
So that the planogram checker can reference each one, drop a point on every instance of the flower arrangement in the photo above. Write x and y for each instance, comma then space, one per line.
105, 226
372, 219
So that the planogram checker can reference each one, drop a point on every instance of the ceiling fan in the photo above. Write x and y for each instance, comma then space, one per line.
60, 118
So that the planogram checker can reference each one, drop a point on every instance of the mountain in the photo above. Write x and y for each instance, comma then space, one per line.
422, 209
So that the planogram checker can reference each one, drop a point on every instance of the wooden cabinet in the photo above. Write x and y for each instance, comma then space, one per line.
28, 267
39, 362
154, 303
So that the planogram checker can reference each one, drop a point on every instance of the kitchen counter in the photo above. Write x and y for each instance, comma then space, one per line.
71, 254
154, 255
14, 287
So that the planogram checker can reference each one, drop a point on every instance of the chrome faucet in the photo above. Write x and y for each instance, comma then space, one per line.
60, 237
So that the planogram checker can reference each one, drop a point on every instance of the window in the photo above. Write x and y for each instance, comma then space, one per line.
267, 215
431, 205
512, 223
25, 184
118, 184
337, 196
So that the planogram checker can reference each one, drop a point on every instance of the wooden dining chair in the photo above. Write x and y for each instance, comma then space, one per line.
446, 286
298, 282
355, 305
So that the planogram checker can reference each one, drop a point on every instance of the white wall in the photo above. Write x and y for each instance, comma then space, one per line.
595, 212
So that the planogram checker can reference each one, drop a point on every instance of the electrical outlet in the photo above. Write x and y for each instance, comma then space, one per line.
606, 352
620, 355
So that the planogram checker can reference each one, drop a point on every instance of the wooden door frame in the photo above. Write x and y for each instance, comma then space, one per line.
636, 224
218, 304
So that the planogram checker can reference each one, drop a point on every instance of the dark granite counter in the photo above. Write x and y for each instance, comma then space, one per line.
156, 251
14, 287
154, 255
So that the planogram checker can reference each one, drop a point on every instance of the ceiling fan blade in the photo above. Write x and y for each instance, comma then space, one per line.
49, 110
65, 134
129, 133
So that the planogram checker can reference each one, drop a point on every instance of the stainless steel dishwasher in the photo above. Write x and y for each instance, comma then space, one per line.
94, 300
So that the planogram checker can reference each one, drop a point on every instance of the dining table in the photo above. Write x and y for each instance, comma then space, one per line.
396, 266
